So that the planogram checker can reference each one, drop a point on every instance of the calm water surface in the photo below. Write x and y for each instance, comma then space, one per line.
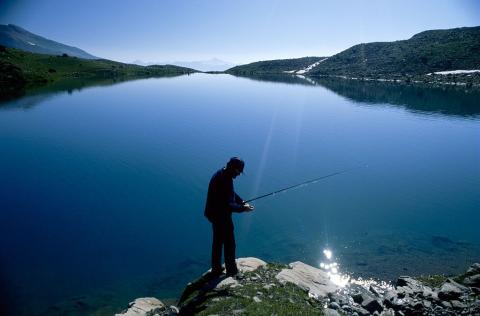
102, 190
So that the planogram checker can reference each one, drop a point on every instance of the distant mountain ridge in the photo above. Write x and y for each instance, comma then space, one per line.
14, 36
213, 64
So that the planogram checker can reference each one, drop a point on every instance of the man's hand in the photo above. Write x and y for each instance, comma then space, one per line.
247, 207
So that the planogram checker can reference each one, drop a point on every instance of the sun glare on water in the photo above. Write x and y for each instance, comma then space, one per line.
331, 267
341, 279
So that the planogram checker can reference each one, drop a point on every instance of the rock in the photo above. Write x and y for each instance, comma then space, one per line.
174, 309
473, 281
249, 264
268, 286
429, 294
334, 305
308, 278
227, 282
143, 306
438, 310
390, 295
427, 304
417, 305
330, 312
408, 281
359, 297
360, 311
403, 291
446, 304
458, 305
451, 290
375, 290
372, 305
409, 286
474, 268
388, 312
340, 298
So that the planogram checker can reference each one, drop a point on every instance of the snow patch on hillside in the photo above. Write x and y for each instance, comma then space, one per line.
454, 72
305, 70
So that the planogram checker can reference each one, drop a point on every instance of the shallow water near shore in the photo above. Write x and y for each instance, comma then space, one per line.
103, 189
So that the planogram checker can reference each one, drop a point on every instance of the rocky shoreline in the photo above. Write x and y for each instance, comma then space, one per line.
299, 289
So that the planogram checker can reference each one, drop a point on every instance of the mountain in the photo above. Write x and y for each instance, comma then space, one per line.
423, 53
16, 37
276, 66
213, 64
20, 70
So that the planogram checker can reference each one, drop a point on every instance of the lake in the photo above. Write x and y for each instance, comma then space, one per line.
103, 186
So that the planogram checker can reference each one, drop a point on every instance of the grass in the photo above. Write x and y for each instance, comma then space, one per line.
23, 70
275, 298
432, 280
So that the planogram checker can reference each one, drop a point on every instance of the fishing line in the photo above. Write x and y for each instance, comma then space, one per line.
305, 183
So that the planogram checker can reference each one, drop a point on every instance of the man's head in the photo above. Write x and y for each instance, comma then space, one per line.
235, 166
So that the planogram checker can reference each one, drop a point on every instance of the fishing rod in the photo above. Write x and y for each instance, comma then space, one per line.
301, 184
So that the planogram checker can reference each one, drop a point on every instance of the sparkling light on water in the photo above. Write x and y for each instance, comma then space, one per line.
332, 269
342, 280
327, 253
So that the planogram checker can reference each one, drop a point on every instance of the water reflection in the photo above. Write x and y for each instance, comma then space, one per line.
29, 98
445, 100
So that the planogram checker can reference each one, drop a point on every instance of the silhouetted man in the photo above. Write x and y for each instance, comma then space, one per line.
221, 202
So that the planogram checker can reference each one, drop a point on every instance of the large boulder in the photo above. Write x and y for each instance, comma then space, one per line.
144, 306
474, 268
249, 264
451, 290
473, 281
308, 278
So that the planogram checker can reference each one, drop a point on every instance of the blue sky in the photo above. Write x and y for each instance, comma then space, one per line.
236, 31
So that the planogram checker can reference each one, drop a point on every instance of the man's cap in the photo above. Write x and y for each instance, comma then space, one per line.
236, 163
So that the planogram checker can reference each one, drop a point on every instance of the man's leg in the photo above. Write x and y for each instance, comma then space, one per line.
230, 251
217, 244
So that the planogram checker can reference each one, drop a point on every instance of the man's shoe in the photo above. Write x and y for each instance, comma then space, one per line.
216, 273
236, 275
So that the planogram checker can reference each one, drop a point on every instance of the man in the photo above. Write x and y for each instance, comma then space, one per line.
221, 202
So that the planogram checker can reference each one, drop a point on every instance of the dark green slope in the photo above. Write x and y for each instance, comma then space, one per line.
20, 70
273, 66
16, 37
425, 52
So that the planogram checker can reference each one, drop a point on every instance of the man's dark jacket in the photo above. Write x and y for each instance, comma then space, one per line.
221, 198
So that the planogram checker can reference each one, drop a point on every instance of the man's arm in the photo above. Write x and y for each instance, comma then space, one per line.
238, 205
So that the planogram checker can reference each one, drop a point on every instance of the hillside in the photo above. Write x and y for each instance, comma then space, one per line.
425, 52
20, 70
274, 66
16, 37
